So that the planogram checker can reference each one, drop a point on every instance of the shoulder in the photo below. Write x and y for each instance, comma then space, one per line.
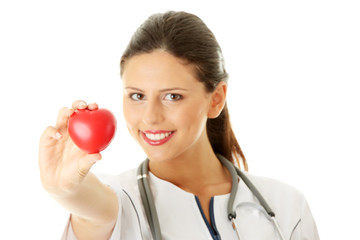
285, 200
289, 205
274, 189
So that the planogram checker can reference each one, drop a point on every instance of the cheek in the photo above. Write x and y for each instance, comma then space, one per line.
131, 116
192, 117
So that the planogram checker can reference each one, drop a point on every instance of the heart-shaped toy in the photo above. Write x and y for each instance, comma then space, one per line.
92, 130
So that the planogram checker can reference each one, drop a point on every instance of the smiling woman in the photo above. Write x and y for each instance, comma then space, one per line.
174, 104
156, 77
199, 55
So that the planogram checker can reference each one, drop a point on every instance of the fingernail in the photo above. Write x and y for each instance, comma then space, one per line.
82, 104
58, 135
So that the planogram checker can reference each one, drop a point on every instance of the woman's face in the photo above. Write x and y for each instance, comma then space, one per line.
165, 106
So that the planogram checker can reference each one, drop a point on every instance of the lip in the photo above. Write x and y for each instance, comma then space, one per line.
156, 142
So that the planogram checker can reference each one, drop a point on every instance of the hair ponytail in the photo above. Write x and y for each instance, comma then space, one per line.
186, 36
223, 140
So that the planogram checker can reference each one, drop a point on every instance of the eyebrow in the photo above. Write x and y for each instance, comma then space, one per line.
162, 90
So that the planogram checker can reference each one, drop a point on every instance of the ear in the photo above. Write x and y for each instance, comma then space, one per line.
218, 100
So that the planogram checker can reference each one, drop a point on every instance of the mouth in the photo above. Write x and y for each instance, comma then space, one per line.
156, 138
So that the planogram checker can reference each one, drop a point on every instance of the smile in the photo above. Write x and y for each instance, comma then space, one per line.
156, 138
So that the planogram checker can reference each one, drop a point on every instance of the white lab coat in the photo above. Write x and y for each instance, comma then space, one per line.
181, 218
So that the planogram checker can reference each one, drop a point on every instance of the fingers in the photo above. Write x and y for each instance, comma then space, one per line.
49, 134
81, 104
63, 117
65, 113
93, 106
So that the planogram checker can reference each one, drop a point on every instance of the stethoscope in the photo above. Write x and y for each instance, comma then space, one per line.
150, 210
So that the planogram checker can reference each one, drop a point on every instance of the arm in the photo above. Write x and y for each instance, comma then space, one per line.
94, 209
64, 173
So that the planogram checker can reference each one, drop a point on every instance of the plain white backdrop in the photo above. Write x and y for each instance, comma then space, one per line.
293, 96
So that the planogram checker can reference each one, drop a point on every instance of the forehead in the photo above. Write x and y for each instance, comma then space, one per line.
158, 68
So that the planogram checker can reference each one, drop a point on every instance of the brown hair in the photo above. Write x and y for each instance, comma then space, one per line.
186, 36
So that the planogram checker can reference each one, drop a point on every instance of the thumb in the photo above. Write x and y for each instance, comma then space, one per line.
86, 162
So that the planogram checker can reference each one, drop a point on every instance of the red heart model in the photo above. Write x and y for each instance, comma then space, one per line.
92, 130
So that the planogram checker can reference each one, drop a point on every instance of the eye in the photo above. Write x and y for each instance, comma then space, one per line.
173, 97
137, 96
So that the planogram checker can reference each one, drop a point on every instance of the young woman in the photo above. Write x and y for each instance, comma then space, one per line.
174, 103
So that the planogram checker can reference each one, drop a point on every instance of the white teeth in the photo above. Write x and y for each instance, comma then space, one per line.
158, 136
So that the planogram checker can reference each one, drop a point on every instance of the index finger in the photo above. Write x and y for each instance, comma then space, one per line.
63, 117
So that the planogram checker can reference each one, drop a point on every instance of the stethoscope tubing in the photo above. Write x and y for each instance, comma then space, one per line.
150, 209
148, 200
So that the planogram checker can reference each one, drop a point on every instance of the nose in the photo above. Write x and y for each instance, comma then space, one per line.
153, 113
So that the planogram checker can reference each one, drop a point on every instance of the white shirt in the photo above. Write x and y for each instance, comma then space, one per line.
180, 214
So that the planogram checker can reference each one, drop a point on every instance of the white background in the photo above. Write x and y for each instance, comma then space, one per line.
293, 98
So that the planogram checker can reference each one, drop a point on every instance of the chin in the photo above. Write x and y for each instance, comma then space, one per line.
157, 157
158, 153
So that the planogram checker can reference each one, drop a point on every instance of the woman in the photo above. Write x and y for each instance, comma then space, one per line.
174, 85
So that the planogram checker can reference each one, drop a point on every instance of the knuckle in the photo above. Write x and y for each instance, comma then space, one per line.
49, 130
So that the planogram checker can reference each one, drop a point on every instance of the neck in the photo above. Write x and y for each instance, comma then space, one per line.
193, 170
